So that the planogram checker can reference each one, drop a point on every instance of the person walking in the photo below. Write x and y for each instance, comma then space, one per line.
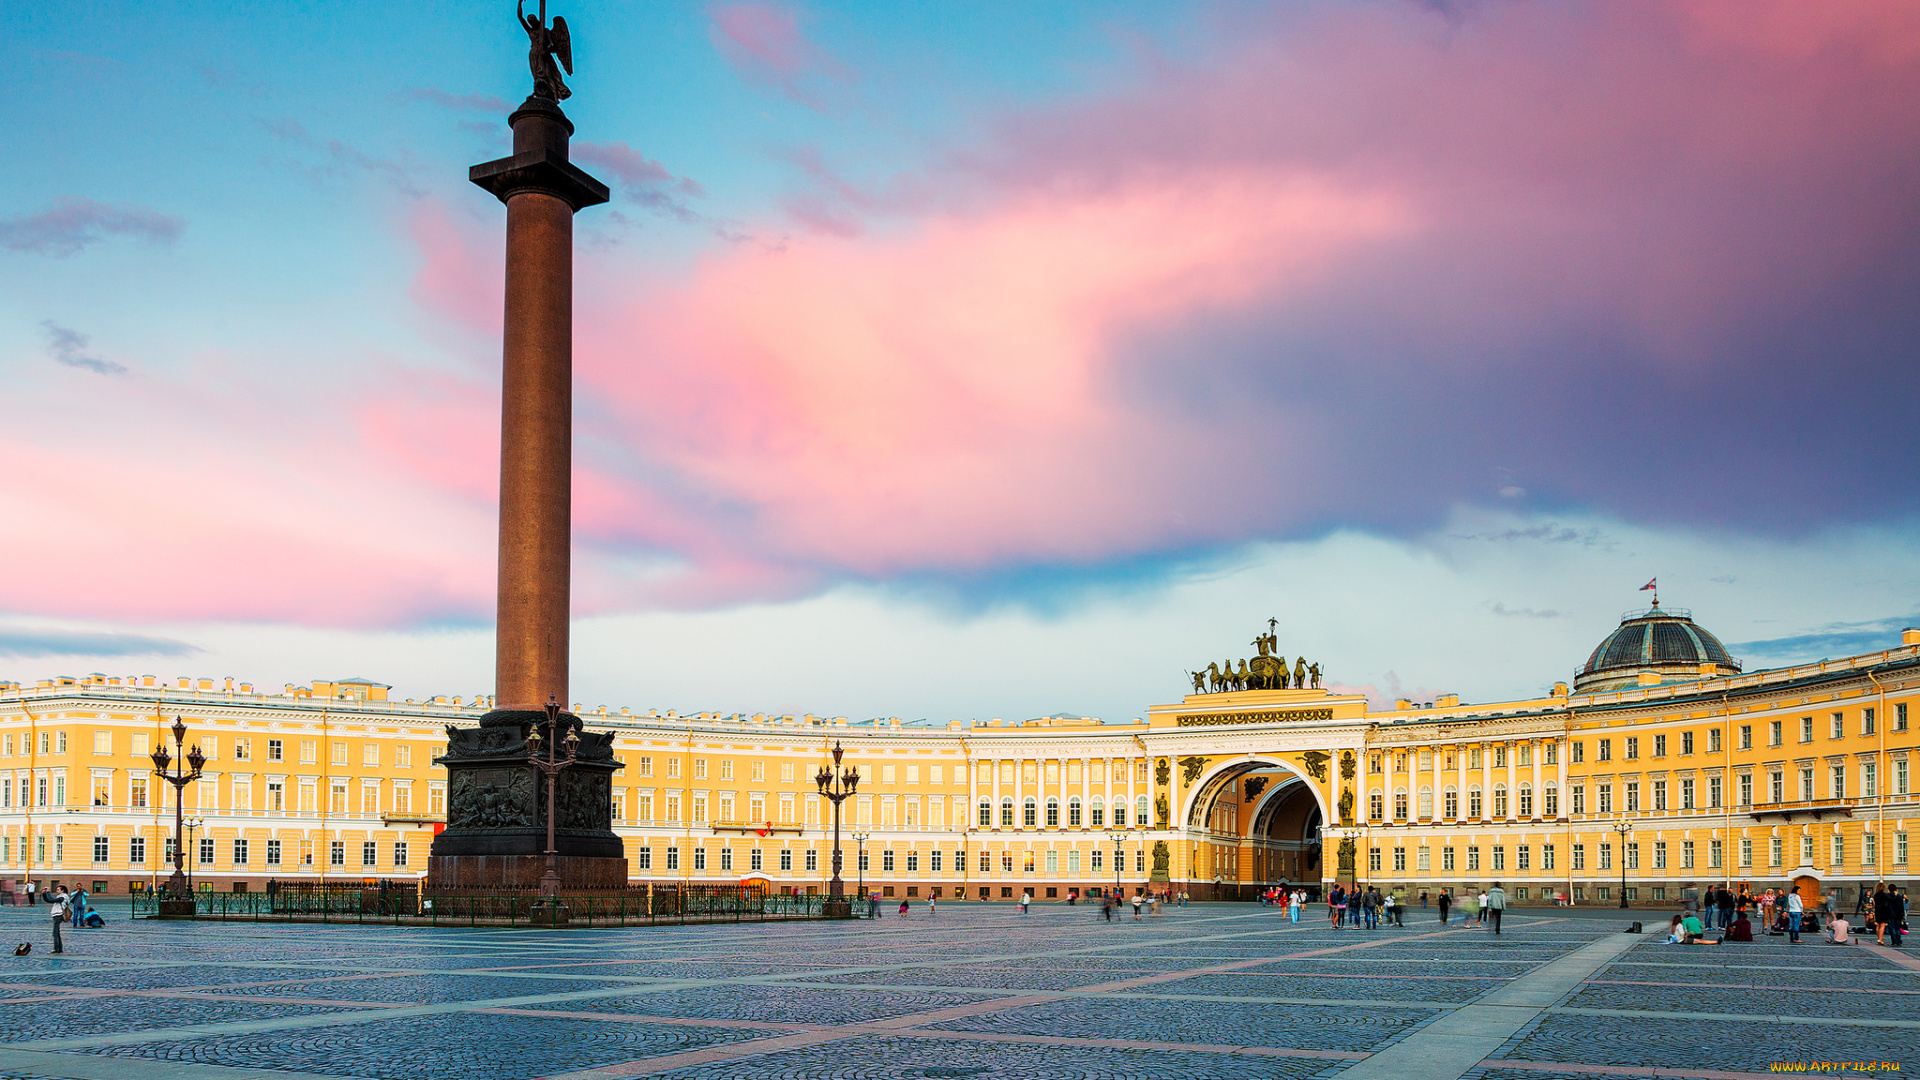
1137, 900
1026, 900
1896, 914
1445, 902
1299, 900
1469, 911
1106, 908
58, 910
933, 905
1496, 905
30, 888
1423, 899
1795, 908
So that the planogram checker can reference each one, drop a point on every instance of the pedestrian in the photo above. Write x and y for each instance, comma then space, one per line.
1299, 900
1689, 899
1157, 898
933, 905
1106, 908
1026, 900
58, 910
30, 888
1496, 905
1184, 897
1136, 907
903, 909
1480, 913
1795, 908
1445, 902
1896, 915
1336, 907
1423, 899
1469, 911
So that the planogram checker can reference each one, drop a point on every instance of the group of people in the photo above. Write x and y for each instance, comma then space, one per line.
1361, 906
1784, 911
1289, 901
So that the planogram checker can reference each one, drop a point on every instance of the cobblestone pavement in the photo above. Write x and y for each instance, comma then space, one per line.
1217, 990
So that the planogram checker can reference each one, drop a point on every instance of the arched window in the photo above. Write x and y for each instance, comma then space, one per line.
1526, 800
1006, 813
1053, 812
1097, 813
1073, 812
1473, 801
1550, 800
1029, 812
1400, 804
986, 814
1140, 818
1119, 813
1452, 803
1426, 803
1499, 800
1376, 806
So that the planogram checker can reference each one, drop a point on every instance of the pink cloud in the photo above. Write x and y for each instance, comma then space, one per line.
766, 47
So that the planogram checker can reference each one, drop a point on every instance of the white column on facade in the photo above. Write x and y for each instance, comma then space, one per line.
1539, 793
1560, 756
993, 811
1486, 781
1513, 780
973, 795
1460, 758
1106, 766
1019, 794
1086, 792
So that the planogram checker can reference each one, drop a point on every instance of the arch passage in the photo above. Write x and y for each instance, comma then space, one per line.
1256, 825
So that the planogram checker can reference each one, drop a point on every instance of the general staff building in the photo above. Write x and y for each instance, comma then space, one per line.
1663, 763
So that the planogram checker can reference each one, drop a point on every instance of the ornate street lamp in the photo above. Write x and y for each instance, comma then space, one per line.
177, 883
1623, 827
551, 768
1119, 839
192, 824
838, 785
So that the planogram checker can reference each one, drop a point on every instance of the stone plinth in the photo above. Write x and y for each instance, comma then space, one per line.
496, 834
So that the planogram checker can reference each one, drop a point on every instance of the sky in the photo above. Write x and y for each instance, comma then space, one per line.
958, 361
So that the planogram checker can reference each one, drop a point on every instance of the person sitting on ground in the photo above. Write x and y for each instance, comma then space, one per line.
1693, 928
1741, 930
1676, 934
1837, 931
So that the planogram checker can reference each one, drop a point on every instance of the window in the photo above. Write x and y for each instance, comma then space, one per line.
1660, 745
1606, 798
813, 859
1579, 798
399, 854
1029, 812
1659, 794
1746, 853
1900, 716
1400, 860
137, 850
986, 814
1473, 857
755, 860
1376, 806
886, 860
1839, 851
1686, 743
1006, 813
369, 853
1373, 860
337, 853
1446, 859
1473, 757
1451, 799
726, 768
1546, 856
1606, 856
273, 853
1866, 721
276, 750
700, 858
1579, 752
673, 773
1632, 854
700, 773
102, 790
1900, 776
1839, 781
1774, 737
1073, 812
1053, 813
1806, 729
1806, 784
1838, 728
206, 851
309, 751
1633, 747
1869, 849
673, 856
1659, 854
240, 853
1499, 800
1551, 755
1526, 800
1499, 857
103, 743
1606, 750
1550, 801
1869, 779
1400, 803
100, 849
339, 753
1686, 793
1713, 853
1775, 849
1777, 785
1473, 801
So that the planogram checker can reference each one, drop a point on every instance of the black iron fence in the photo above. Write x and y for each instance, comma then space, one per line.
407, 905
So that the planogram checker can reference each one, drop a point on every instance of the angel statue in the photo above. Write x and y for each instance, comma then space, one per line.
549, 43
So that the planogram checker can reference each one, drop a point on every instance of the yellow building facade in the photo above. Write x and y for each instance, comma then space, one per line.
1663, 764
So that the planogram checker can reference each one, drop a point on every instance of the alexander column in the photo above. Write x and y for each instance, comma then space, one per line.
496, 807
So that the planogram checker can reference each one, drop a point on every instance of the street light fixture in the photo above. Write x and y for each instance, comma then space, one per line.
1623, 827
1119, 838
861, 839
837, 785
551, 768
177, 885
192, 823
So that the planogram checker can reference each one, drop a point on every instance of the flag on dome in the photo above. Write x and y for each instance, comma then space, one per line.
1652, 583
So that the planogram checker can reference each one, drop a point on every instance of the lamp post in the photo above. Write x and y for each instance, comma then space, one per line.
861, 838
192, 824
838, 785
179, 778
551, 768
1119, 839
1623, 827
